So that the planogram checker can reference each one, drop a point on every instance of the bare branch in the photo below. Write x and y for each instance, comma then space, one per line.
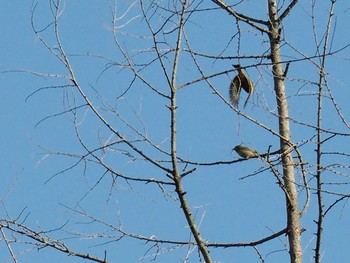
249, 20
286, 12
44, 240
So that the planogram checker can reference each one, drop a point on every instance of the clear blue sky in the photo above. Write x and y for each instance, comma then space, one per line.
233, 210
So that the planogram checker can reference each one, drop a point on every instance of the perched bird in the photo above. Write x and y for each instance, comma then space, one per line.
246, 152
240, 81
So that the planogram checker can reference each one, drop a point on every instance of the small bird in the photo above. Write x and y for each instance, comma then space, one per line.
235, 91
240, 81
246, 152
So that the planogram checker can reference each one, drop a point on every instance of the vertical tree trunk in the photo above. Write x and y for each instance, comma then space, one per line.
284, 130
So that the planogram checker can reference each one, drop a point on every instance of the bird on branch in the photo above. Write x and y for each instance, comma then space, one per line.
240, 81
246, 152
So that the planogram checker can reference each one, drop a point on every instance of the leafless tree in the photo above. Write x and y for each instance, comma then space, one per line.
161, 61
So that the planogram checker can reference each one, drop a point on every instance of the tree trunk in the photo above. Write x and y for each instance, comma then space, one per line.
284, 130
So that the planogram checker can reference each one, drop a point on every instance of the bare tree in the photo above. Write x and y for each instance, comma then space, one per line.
160, 59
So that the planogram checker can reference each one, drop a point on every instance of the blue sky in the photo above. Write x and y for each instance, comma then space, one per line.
229, 209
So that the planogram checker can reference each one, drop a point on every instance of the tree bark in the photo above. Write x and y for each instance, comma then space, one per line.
293, 217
